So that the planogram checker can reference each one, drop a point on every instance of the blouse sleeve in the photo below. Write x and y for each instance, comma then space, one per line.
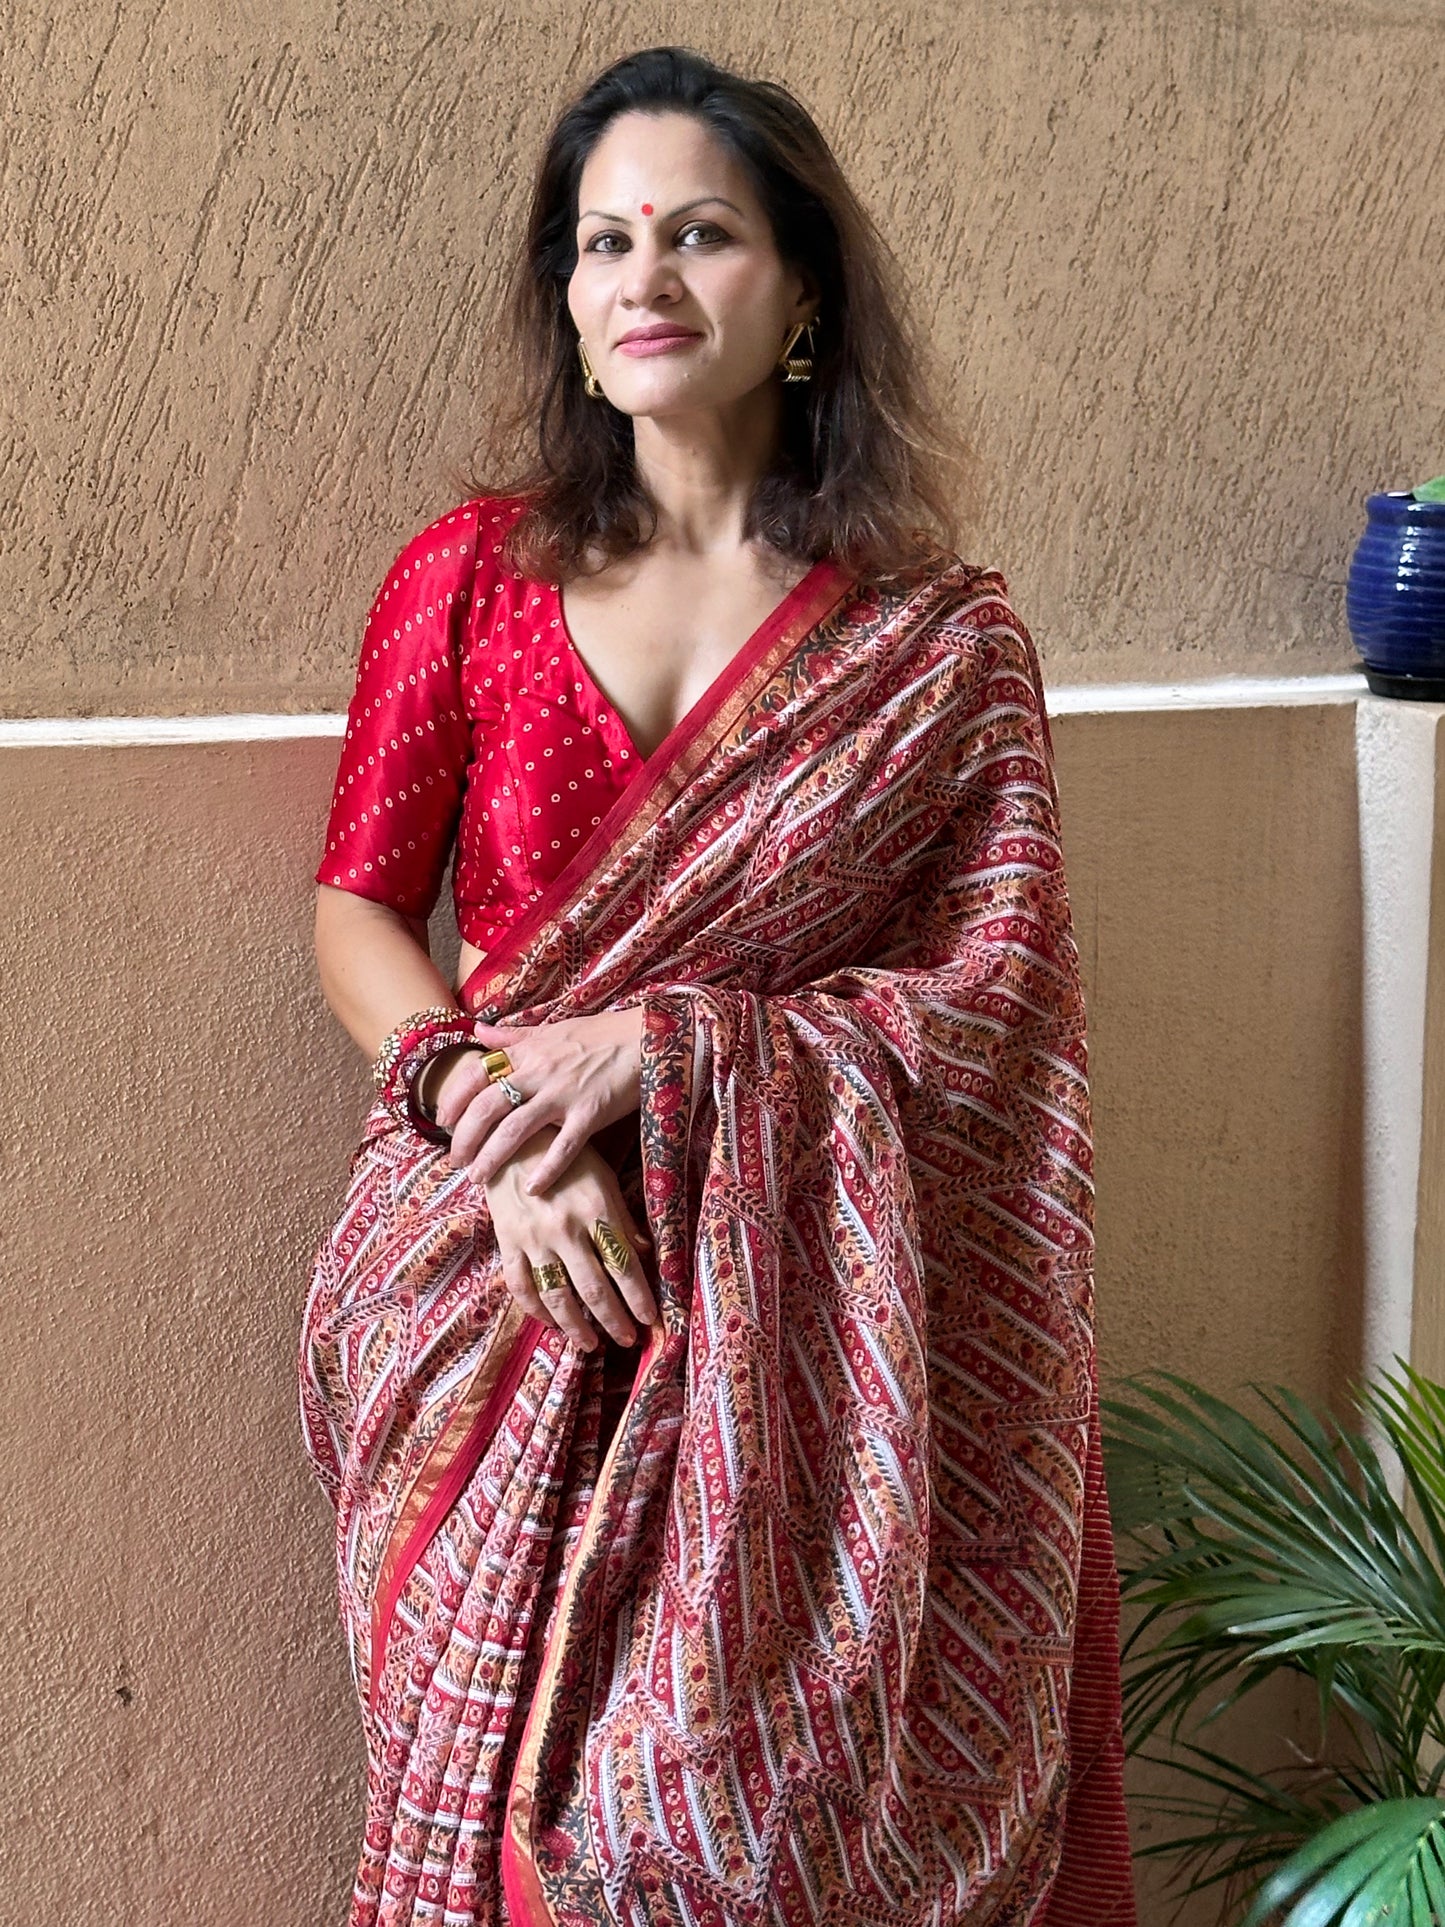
402, 771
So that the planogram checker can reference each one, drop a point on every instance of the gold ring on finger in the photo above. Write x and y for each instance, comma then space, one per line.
550, 1276
497, 1064
616, 1252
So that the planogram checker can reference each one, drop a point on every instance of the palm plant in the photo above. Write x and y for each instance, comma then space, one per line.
1254, 1553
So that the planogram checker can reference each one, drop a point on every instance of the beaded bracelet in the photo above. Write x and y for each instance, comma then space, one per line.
404, 1050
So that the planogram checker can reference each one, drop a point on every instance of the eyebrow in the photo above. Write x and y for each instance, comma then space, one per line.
701, 201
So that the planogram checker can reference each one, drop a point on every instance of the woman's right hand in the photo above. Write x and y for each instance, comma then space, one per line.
556, 1226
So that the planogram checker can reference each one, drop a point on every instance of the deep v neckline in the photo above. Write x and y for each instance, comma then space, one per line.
715, 691
657, 782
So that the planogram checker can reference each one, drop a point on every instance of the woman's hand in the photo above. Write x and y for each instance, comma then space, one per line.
532, 1230
579, 1073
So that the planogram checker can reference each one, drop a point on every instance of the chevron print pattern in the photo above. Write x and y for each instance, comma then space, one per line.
829, 1633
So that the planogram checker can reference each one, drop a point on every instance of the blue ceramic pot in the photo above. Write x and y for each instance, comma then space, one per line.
1395, 596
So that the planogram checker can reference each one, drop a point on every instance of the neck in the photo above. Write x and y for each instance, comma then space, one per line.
700, 468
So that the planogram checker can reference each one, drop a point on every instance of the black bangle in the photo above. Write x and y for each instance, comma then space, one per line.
416, 1043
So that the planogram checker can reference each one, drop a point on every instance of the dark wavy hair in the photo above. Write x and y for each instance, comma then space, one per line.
863, 471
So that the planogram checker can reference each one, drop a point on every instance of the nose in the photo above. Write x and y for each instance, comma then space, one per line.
650, 275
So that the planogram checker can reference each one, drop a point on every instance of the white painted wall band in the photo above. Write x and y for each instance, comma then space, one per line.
115, 732
1221, 692
1067, 699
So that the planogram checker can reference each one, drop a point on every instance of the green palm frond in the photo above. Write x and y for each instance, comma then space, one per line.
1281, 1548
1321, 1521
1411, 1410
1383, 1862
1250, 1552
1246, 1820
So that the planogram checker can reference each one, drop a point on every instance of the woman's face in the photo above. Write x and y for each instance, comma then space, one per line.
670, 232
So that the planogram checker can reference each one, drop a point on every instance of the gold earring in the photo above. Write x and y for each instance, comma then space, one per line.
797, 367
590, 382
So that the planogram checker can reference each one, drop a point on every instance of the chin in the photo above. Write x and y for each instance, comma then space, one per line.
680, 398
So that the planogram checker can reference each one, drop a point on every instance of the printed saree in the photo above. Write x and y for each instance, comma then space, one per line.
826, 1632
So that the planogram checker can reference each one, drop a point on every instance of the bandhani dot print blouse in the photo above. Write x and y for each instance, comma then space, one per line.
475, 722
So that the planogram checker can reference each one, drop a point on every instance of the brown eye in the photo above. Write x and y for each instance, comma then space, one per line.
708, 229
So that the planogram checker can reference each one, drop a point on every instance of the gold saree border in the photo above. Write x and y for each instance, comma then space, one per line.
675, 761
445, 1470
521, 1883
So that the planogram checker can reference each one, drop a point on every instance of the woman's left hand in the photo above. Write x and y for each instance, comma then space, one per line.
580, 1073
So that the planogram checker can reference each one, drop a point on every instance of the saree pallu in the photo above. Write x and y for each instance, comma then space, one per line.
827, 1630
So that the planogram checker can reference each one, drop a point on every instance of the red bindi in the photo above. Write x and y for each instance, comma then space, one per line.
647, 207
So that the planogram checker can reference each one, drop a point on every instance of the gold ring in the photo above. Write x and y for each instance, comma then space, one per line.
616, 1252
497, 1064
549, 1277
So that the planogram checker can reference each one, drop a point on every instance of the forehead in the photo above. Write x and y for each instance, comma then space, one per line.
663, 159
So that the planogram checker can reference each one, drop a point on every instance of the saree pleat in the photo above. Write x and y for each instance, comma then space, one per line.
450, 1695
826, 1631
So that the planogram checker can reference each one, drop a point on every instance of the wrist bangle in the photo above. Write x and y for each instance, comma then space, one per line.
423, 1095
419, 1090
404, 1053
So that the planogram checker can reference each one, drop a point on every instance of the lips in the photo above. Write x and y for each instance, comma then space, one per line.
663, 332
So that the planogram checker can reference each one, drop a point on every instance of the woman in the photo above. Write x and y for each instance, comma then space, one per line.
701, 1365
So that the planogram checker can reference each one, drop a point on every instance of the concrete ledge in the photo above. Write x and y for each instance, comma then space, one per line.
123, 732
1065, 699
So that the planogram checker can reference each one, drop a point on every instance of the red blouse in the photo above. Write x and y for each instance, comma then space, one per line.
474, 720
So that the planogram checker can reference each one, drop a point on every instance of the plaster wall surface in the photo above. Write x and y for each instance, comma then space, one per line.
1176, 261
1176, 266
175, 1707
176, 1730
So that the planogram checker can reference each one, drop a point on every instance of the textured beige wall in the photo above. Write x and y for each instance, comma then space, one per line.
1214, 871
1216, 890
176, 1725
250, 266
176, 1744
1177, 260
